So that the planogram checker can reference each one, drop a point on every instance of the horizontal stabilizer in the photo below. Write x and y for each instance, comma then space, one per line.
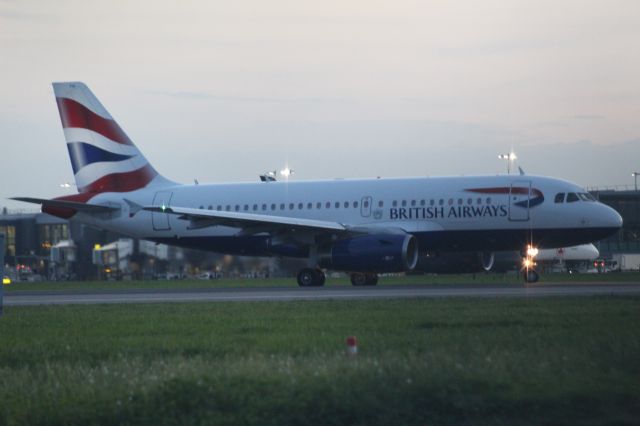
80, 207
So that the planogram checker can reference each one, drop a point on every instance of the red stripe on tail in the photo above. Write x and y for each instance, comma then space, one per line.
122, 182
74, 114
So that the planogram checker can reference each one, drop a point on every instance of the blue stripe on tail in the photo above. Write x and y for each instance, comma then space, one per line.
83, 154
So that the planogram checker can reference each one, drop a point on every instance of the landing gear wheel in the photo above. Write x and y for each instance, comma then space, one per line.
306, 277
360, 279
372, 279
311, 278
531, 276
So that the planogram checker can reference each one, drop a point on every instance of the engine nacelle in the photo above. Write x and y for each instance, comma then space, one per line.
457, 263
372, 253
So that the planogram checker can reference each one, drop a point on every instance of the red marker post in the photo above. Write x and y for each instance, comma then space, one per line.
352, 346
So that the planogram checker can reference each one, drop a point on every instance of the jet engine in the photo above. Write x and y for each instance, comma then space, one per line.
371, 253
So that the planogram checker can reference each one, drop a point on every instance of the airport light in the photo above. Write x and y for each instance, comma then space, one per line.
635, 179
510, 157
286, 172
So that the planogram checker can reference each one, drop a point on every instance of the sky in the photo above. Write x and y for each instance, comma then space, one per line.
224, 91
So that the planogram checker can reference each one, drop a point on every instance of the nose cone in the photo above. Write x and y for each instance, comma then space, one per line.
610, 219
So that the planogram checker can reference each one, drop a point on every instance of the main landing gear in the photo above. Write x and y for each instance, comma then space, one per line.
359, 279
309, 277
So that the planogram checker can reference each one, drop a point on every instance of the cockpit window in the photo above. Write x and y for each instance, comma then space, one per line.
559, 197
572, 197
585, 196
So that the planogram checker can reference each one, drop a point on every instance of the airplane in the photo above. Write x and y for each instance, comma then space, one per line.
360, 226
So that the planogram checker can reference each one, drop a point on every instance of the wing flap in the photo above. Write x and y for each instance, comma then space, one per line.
201, 218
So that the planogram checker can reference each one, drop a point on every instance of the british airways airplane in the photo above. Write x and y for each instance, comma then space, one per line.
361, 226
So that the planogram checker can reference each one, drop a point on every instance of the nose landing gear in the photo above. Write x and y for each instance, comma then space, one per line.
529, 274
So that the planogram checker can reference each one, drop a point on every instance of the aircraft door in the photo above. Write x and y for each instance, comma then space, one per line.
365, 206
160, 221
519, 199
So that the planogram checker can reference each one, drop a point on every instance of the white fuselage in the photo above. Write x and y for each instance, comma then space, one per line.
445, 213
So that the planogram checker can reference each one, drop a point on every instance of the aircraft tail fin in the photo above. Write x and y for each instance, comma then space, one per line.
103, 157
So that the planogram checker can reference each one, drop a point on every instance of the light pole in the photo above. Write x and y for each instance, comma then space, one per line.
509, 157
635, 180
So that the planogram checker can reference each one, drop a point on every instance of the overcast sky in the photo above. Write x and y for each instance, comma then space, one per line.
224, 90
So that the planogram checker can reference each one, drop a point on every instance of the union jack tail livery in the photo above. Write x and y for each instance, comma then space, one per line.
102, 156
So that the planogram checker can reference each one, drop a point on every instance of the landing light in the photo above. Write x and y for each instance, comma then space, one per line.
532, 251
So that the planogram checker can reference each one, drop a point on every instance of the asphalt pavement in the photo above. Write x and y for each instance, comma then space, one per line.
28, 298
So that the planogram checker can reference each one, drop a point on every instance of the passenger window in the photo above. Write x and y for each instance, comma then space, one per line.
366, 204
346, 204
328, 205
219, 208
395, 203
228, 207
237, 207
246, 207
290, 206
413, 203
318, 206
423, 203
479, 200
432, 202
355, 204
264, 207
337, 204
281, 206
450, 201
404, 203
459, 201
572, 197
255, 207
559, 198
488, 200
210, 207
441, 202
273, 206
380, 203
309, 206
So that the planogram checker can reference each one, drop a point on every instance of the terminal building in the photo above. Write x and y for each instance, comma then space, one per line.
54, 248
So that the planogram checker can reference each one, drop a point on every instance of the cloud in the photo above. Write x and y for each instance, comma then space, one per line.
201, 95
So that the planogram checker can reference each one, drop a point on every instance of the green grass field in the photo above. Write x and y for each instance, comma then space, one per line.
467, 279
425, 361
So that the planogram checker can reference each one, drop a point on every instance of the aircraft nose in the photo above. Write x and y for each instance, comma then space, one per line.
611, 218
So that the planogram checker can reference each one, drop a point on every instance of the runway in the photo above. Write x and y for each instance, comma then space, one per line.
31, 298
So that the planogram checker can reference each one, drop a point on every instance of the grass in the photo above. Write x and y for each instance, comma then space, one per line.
424, 361
468, 279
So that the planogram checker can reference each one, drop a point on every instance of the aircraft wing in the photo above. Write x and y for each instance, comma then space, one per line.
81, 207
202, 218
